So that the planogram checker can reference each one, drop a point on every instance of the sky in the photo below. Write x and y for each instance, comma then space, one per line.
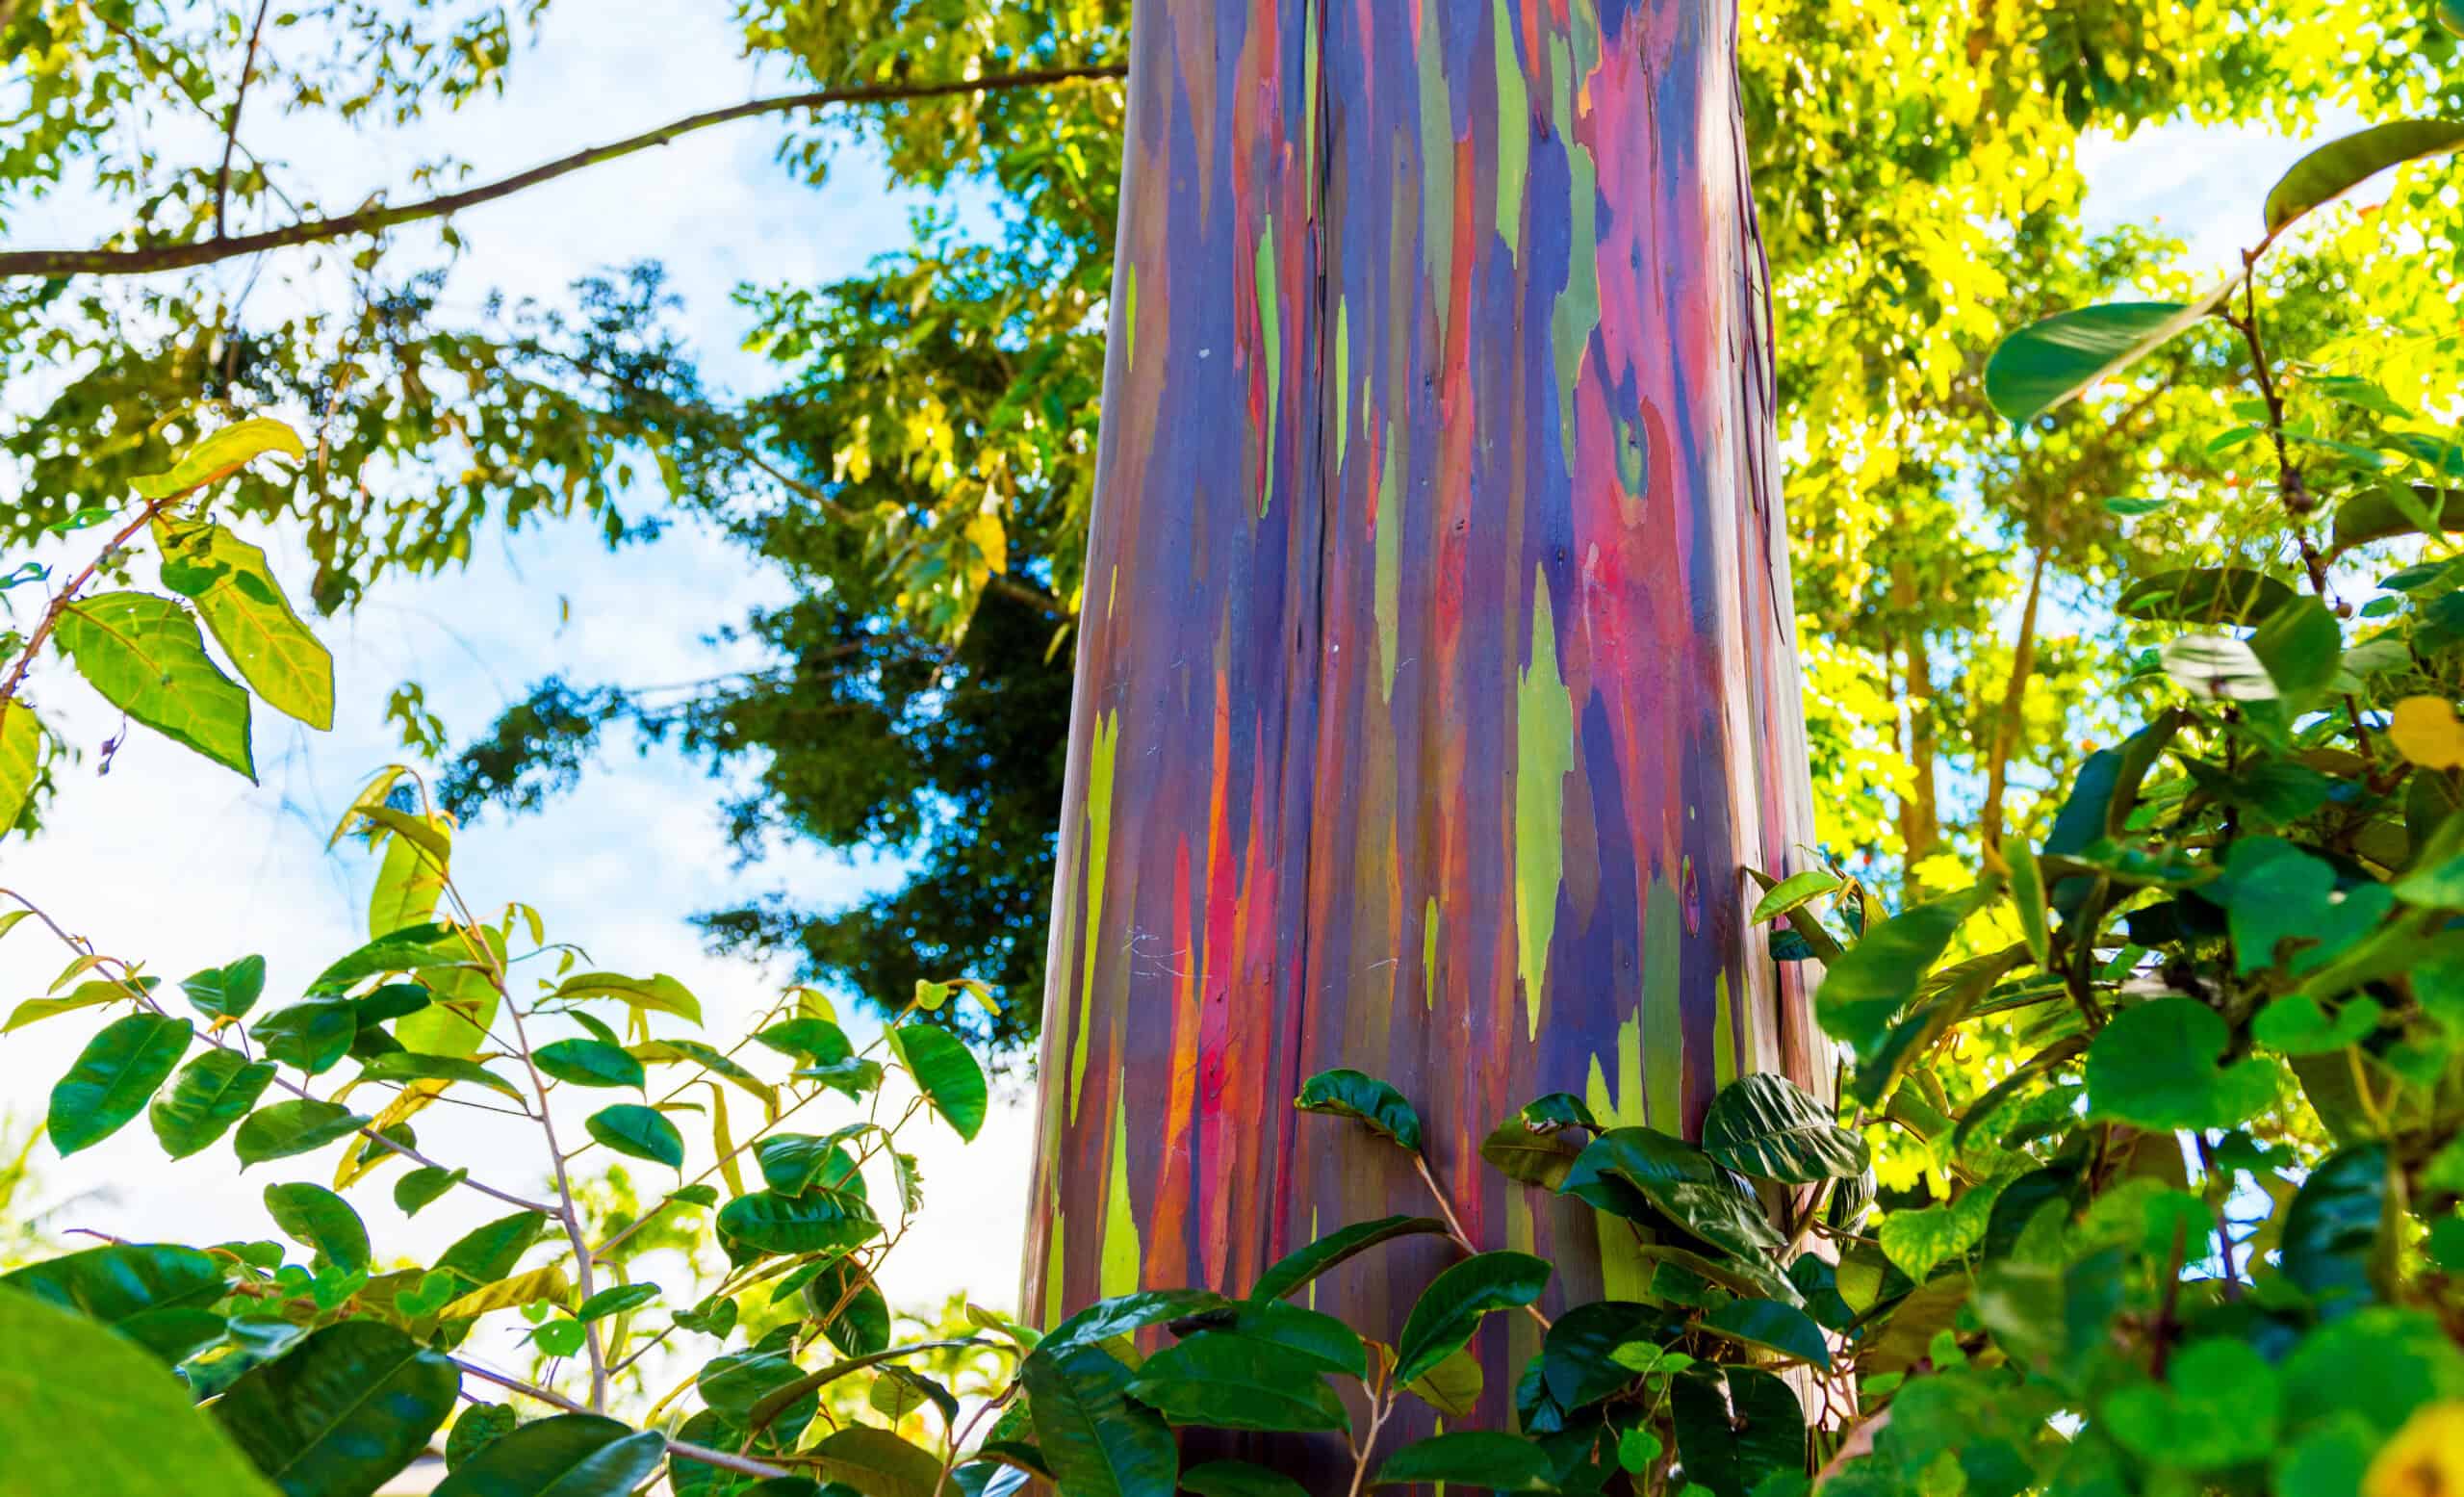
175, 862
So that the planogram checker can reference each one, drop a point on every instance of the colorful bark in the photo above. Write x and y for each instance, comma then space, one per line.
1434, 681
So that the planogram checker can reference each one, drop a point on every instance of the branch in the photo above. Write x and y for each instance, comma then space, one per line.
376, 219
231, 125
675, 1447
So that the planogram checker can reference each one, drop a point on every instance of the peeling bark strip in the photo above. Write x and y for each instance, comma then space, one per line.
1436, 678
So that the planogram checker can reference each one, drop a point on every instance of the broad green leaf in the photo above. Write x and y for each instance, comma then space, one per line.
2204, 595
343, 1411
213, 1091
457, 1023
1239, 1479
424, 1185
411, 872
227, 992
1770, 1128
815, 1040
1349, 1093
312, 1036
1917, 1240
1874, 979
1451, 1309
316, 1218
877, 1463
640, 1133
847, 1306
793, 1163
419, 948
158, 1294
1096, 1440
2157, 1066
2300, 645
1789, 893
411, 1066
945, 1074
2217, 1409
488, 1252
1321, 1341
1454, 1386
85, 1414
20, 759
590, 1063
819, 1221
114, 1078
145, 657
1235, 1382
659, 993
220, 455
711, 1059
1576, 1362
2337, 1235
618, 1300
2340, 166
294, 1127
1679, 1182
1118, 1316
479, 1426
2048, 362
226, 580
1775, 1327
563, 1456
543, 1286
93, 992
1731, 1443
1470, 1457
1295, 1269
2297, 1025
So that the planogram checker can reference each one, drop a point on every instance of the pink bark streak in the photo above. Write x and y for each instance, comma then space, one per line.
1435, 682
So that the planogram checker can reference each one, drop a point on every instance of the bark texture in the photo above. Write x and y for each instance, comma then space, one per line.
1436, 679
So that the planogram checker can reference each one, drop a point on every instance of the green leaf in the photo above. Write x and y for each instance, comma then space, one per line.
819, 1221
411, 874
487, 1253
85, 1414
1118, 1316
793, 1163
945, 1074
424, 1185
2300, 645
1917, 1240
1235, 1382
227, 581
456, 1022
296, 1127
1454, 1386
411, 1066
479, 1426
419, 949
20, 761
815, 1040
1239, 1479
656, 995
877, 1463
2027, 899
1294, 1271
1875, 978
220, 455
1775, 1327
2298, 1026
1321, 1341
2216, 1408
155, 1294
145, 657
93, 992
1451, 1309
1576, 1353
1470, 1457
227, 992
2048, 362
1097, 1441
311, 1036
213, 1091
114, 1078
1730, 1444
640, 1133
2156, 1066
316, 1218
340, 1412
2340, 166
617, 1301
2337, 1232
1349, 1093
1789, 893
590, 1063
2206, 595
711, 1059
565, 1456
1676, 1179
1772, 1128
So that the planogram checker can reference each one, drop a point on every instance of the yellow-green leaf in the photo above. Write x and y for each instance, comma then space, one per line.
227, 581
660, 992
221, 454
541, 1285
87, 994
21, 755
144, 655
410, 878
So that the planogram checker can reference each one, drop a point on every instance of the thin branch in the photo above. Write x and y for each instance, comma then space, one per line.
376, 217
68, 595
1455, 1225
690, 1451
231, 124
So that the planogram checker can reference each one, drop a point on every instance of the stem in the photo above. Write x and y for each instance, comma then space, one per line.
1454, 1229
376, 218
61, 599
1380, 1406
690, 1451
231, 124
565, 1211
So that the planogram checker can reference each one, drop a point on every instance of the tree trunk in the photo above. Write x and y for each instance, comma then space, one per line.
1435, 682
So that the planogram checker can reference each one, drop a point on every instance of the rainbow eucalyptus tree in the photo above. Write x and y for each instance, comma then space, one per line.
1436, 686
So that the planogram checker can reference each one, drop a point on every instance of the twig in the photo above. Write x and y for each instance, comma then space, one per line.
231, 125
675, 1447
1455, 1226
61, 600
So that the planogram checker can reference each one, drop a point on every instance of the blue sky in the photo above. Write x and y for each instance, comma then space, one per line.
175, 862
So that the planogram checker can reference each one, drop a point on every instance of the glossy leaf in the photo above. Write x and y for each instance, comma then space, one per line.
2046, 363
1774, 1327
815, 1040
1294, 1271
213, 1091
410, 1066
316, 1218
295, 1127
877, 1463
1869, 984
638, 1132
227, 992
1350, 1093
422, 1185
563, 1456
478, 1425
85, 1414
1731, 1444
1118, 1316
310, 1036
793, 1163
590, 1063
819, 1221
227, 581
2340, 166
945, 1072
114, 1078
1770, 1128
1451, 1309
2334, 1231
1677, 1181
1235, 1382
1239, 1479
145, 657
1470, 1457
154, 1294
1096, 1440
488, 1252
343, 1410
1789, 893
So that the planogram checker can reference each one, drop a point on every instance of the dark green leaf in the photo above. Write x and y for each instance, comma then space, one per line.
1122, 1314
479, 1426
640, 1133
1349, 1093
416, 949
2301, 645
1320, 1340
2340, 166
227, 992
311, 1036
2335, 1231
2156, 1066
340, 1412
1470, 1457
294, 1127
1574, 1356
213, 1091
114, 1078
2044, 363
316, 1218
590, 1063
819, 1221
815, 1040
2203, 594
848, 1306
1451, 1309
1677, 1180
793, 1163
565, 1456
410, 1066
424, 1185
945, 1074
1239, 1479
877, 1463
1775, 1327
487, 1253
1876, 977
151, 1292
616, 1301
1294, 1271
1096, 1440
1772, 1128
1235, 1382
1731, 1442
